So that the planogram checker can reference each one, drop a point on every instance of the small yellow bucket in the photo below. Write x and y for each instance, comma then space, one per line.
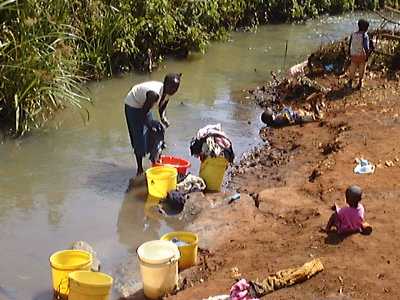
189, 251
161, 180
86, 285
212, 170
64, 262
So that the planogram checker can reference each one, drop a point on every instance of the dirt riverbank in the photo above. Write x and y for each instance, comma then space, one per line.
288, 186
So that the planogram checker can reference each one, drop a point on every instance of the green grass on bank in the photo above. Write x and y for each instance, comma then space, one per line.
47, 48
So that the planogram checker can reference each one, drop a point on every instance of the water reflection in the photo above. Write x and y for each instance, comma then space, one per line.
61, 185
133, 227
139, 220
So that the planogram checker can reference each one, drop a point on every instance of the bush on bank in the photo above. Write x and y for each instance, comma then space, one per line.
48, 47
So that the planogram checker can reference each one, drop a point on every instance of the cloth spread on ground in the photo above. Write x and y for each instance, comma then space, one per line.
285, 278
191, 184
156, 143
240, 291
211, 141
219, 297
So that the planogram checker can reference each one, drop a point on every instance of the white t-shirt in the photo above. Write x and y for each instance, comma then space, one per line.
357, 44
137, 95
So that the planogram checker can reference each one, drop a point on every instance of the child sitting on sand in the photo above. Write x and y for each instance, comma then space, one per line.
350, 219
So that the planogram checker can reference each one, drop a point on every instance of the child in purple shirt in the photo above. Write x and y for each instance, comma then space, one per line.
350, 219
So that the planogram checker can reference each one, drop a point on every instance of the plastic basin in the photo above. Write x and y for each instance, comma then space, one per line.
182, 165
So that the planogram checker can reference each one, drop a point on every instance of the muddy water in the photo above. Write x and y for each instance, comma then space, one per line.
68, 184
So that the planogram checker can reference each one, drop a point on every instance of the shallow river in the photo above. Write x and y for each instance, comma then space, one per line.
68, 184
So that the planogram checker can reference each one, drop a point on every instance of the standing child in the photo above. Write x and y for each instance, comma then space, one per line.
359, 48
350, 219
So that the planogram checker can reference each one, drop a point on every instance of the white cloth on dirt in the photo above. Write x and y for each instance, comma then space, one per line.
220, 297
191, 184
138, 94
364, 167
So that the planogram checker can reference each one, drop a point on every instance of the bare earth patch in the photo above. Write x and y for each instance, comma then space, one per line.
287, 190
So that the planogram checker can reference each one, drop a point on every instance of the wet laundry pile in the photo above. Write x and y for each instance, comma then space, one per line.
191, 184
211, 141
175, 201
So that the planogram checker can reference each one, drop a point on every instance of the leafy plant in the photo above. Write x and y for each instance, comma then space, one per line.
47, 48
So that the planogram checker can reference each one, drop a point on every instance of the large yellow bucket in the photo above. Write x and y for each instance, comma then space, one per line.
161, 180
212, 170
86, 285
188, 249
158, 267
64, 262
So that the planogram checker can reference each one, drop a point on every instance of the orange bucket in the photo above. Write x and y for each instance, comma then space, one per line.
182, 165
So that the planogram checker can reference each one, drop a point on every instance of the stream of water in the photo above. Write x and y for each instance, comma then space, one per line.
62, 185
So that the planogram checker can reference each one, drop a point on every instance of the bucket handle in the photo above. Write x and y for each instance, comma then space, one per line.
173, 260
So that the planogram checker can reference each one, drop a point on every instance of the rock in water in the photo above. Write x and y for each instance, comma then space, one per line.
126, 281
82, 245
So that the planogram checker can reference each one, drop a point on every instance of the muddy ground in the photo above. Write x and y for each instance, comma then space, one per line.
288, 187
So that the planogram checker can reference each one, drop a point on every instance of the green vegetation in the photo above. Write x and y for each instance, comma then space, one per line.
48, 47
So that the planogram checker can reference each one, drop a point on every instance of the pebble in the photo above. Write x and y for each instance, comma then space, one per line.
389, 163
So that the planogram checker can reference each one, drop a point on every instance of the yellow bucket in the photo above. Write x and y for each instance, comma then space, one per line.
161, 180
64, 262
212, 170
86, 285
188, 252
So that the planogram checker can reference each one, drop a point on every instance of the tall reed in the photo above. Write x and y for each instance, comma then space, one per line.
47, 48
